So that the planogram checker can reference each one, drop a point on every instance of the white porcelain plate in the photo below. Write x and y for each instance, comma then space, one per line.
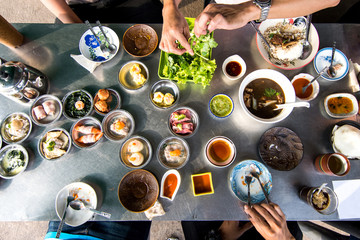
81, 191
323, 59
313, 39
90, 48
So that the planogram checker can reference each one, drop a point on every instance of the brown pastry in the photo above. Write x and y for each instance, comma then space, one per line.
102, 106
281, 148
103, 94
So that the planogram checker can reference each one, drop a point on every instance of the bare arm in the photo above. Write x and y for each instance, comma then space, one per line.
175, 28
220, 16
62, 11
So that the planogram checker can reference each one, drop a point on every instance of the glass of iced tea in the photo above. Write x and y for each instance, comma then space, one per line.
324, 201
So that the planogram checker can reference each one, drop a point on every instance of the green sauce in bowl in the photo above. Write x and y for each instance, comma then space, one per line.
221, 105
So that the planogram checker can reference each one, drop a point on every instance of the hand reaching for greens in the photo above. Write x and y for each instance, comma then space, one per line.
184, 68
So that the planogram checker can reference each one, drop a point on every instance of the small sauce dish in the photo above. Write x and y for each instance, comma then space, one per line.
221, 105
170, 184
341, 105
301, 80
220, 151
234, 67
202, 184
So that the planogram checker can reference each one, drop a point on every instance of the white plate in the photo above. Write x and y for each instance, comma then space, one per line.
323, 59
85, 193
90, 48
313, 39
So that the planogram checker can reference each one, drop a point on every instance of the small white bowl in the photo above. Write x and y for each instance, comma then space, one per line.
232, 153
345, 115
238, 59
315, 85
177, 174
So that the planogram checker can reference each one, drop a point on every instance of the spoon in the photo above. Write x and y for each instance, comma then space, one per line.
68, 200
292, 104
332, 71
103, 48
320, 188
256, 175
248, 180
112, 47
315, 78
79, 205
307, 48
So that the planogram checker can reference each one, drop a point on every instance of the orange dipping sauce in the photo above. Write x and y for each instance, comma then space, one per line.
202, 184
298, 84
170, 185
220, 151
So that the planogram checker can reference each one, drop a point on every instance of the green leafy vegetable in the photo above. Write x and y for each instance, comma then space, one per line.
51, 145
270, 92
184, 68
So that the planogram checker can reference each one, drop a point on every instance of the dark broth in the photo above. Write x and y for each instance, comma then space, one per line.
260, 97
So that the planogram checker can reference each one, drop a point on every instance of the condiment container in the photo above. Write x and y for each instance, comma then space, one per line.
220, 151
301, 80
326, 198
170, 184
335, 164
202, 184
221, 105
234, 67
341, 105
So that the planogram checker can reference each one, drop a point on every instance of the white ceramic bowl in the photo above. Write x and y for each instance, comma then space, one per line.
90, 48
280, 79
177, 174
238, 59
315, 85
345, 115
232, 153
83, 192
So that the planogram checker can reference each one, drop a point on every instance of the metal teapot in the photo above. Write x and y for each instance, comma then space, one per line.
20, 82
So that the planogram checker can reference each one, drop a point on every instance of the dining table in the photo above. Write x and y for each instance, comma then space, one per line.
31, 195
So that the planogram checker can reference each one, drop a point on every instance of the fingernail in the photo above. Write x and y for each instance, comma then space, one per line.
246, 207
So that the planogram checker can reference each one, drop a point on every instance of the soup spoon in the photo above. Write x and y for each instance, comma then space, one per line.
79, 205
332, 71
248, 180
292, 104
68, 200
307, 48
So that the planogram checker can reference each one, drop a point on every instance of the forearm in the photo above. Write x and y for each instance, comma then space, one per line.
62, 11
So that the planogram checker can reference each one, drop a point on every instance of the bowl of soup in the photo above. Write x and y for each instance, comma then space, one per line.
261, 91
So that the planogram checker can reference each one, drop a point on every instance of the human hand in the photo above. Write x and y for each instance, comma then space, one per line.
224, 16
175, 28
230, 230
269, 221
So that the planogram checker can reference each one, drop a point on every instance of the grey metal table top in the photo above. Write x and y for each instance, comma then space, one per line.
31, 196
